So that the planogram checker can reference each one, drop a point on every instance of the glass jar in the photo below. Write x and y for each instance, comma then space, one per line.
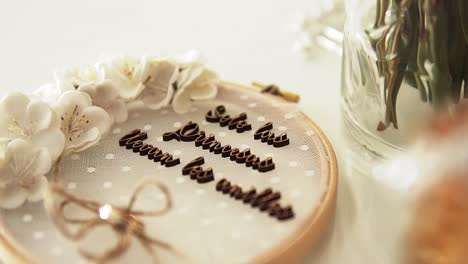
402, 60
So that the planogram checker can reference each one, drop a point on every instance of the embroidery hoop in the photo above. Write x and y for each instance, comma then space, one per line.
292, 249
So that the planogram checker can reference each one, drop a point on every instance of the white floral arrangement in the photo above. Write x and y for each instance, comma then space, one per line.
72, 114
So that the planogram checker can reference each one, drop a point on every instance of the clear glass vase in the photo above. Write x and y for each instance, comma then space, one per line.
402, 60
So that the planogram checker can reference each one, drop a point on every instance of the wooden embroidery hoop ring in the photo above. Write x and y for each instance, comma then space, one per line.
291, 250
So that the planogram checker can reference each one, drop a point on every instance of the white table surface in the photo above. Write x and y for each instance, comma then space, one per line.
243, 40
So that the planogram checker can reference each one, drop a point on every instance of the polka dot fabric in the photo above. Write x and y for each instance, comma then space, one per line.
204, 225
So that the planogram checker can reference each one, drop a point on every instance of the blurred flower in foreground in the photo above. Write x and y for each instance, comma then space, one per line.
438, 232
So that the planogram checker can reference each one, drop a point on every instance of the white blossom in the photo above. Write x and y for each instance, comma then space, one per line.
195, 82
48, 93
105, 95
22, 174
69, 79
126, 74
73, 113
160, 77
82, 123
31, 120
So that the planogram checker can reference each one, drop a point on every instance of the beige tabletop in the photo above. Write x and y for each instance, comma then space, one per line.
243, 40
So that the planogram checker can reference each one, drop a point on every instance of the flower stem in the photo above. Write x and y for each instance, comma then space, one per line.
425, 43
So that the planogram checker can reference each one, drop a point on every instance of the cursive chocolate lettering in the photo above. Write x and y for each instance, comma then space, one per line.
134, 140
216, 147
281, 140
152, 153
189, 132
194, 163
205, 176
236, 192
242, 156
223, 186
238, 122
132, 137
265, 134
281, 213
224, 120
145, 149
214, 116
137, 145
265, 201
249, 196
208, 142
196, 171
226, 151
168, 136
233, 154
168, 160
266, 165
252, 161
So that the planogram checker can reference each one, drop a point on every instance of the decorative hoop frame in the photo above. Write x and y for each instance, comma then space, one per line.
291, 250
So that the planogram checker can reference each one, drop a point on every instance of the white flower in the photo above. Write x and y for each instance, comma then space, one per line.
127, 75
195, 82
191, 57
82, 124
35, 121
3, 147
72, 78
159, 78
22, 176
105, 95
48, 93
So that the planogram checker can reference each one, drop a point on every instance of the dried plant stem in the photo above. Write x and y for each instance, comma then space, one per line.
425, 43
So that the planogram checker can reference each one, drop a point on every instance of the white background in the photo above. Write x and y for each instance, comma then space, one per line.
244, 40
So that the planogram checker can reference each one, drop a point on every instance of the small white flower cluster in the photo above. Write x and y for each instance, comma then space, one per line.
75, 112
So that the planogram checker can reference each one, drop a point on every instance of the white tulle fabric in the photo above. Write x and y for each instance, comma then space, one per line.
204, 225
77, 109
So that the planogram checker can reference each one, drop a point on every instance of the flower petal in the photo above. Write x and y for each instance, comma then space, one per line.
71, 78
102, 94
160, 77
89, 88
3, 149
204, 92
12, 197
48, 93
37, 192
6, 175
188, 75
71, 100
119, 112
90, 138
129, 90
42, 163
204, 87
12, 108
191, 57
181, 102
107, 91
52, 139
39, 116
25, 156
98, 118
20, 150
126, 74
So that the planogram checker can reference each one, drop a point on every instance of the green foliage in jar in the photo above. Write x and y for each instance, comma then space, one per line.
424, 43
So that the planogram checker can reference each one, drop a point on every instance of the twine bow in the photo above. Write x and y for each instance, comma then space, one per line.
124, 221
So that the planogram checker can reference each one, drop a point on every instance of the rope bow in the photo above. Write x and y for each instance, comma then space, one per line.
124, 221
